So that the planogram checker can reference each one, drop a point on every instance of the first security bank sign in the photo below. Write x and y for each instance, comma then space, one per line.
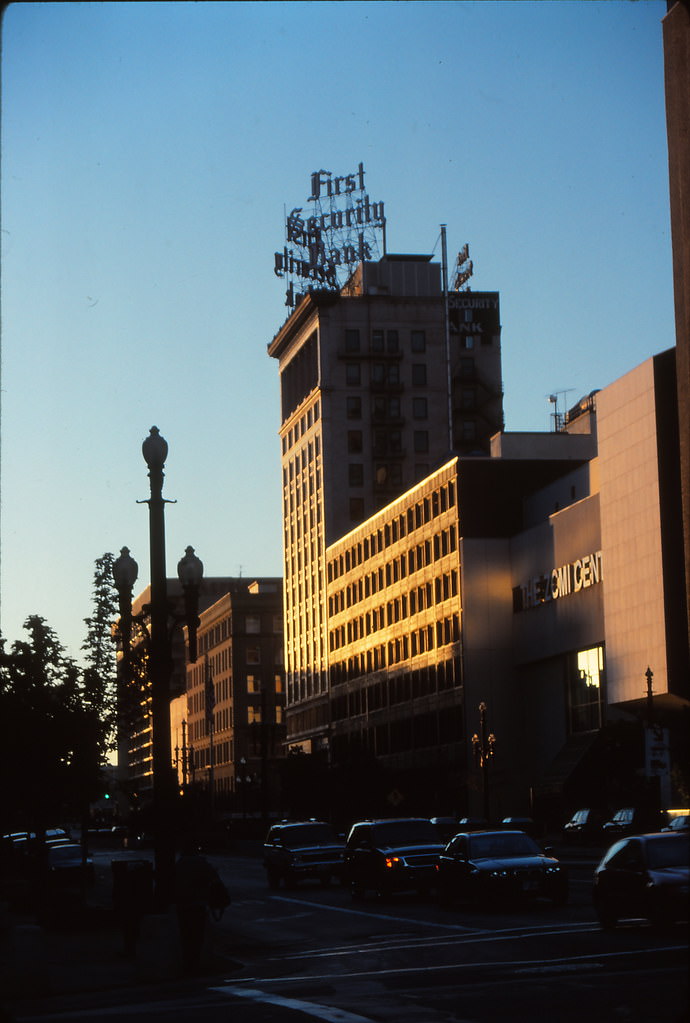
338, 231
559, 582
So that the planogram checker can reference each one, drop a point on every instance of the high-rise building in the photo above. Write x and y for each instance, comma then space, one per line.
379, 383
233, 709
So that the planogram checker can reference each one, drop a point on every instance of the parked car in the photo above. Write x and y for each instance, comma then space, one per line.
583, 825
643, 876
67, 867
494, 867
679, 823
632, 820
446, 827
391, 855
472, 824
297, 850
525, 824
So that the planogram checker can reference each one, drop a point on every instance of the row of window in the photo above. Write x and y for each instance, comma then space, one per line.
419, 598
395, 651
396, 689
414, 731
385, 374
387, 442
409, 562
383, 341
414, 517
386, 407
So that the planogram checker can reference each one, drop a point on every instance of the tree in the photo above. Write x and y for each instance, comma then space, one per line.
99, 691
40, 703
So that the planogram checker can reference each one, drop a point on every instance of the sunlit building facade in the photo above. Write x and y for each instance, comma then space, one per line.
378, 383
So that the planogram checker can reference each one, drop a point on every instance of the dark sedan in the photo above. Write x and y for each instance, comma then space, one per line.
643, 876
391, 855
495, 867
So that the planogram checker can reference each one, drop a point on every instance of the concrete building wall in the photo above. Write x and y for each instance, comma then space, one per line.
631, 535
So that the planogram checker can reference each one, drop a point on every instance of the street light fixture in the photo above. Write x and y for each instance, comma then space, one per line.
190, 570
483, 747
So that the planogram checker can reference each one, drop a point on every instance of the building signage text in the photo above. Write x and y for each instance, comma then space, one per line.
333, 235
559, 582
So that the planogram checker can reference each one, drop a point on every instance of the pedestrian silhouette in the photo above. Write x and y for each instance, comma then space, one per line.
198, 888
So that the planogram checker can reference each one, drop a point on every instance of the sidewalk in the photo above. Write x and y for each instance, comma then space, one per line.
84, 949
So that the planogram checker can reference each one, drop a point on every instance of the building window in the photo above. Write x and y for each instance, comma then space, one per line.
466, 366
354, 441
421, 441
468, 429
393, 375
378, 373
379, 407
253, 623
354, 407
353, 375
356, 474
418, 341
253, 655
468, 341
351, 340
377, 340
467, 397
419, 408
392, 340
585, 696
356, 509
419, 374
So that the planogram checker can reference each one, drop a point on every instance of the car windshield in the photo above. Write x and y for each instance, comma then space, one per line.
311, 834
395, 833
499, 847
664, 853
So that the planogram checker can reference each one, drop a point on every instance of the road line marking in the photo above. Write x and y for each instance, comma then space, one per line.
514, 967
379, 916
330, 1013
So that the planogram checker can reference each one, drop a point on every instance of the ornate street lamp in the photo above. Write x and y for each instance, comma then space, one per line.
483, 748
190, 569
125, 572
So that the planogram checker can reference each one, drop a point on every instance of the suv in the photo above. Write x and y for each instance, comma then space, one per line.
295, 850
390, 855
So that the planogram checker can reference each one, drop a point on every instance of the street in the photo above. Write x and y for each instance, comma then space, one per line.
312, 953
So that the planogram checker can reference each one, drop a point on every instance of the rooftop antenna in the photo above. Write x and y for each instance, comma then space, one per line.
558, 416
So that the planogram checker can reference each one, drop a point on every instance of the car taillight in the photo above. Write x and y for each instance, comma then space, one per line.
392, 861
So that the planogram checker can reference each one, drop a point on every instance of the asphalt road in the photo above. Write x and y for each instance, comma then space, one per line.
311, 953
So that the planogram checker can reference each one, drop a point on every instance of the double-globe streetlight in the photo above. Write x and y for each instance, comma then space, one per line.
161, 623
484, 748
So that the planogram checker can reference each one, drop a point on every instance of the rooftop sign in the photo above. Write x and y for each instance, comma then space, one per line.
337, 231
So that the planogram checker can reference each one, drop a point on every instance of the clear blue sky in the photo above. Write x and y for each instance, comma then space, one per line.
148, 153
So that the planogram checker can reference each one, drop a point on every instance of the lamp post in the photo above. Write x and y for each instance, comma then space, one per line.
190, 570
483, 747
